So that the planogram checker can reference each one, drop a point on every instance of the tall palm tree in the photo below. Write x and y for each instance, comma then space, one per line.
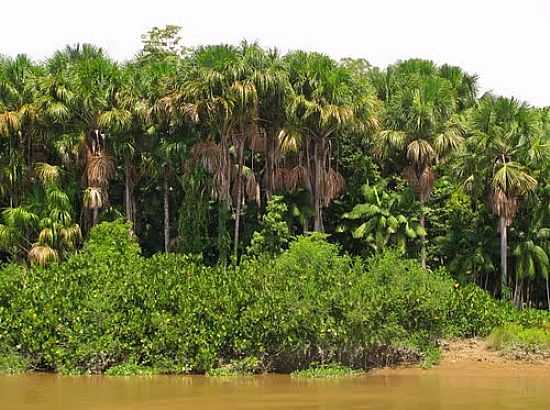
19, 123
421, 127
496, 161
322, 106
78, 95
205, 91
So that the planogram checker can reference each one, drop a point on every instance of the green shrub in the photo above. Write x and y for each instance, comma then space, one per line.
238, 367
129, 369
472, 312
12, 362
108, 304
326, 371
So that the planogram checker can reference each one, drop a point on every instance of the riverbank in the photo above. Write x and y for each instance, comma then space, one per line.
474, 353
477, 351
110, 310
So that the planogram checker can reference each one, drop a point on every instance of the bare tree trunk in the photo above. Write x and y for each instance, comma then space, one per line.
127, 194
503, 255
239, 187
423, 239
166, 212
515, 301
224, 203
95, 214
318, 160
270, 165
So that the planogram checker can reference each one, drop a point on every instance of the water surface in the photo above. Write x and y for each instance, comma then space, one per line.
410, 389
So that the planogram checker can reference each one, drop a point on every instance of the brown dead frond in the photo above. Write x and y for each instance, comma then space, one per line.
332, 186
99, 169
42, 254
297, 178
421, 182
208, 154
503, 205
281, 179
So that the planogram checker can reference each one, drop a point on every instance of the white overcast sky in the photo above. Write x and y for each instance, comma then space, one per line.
506, 42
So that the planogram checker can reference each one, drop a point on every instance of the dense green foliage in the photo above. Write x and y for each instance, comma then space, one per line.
109, 306
309, 210
190, 144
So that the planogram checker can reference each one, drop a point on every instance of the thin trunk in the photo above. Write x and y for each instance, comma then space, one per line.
423, 239
270, 165
547, 294
516, 291
503, 255
317, 159
239, 187
224, 204
127, 194
166, 212
95, 214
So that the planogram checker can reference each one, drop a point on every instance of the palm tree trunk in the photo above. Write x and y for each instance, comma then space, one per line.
503, 255
95, 214
239, 188
127, 194
270, 165
423, 239
166, 212
318, 160
516, 291
224, 204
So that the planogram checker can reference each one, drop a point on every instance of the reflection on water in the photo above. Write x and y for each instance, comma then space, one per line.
410, 389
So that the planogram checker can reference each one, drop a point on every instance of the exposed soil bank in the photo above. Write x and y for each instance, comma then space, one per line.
470, 351
471, 354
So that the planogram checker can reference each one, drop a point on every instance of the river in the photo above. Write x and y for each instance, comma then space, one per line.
474, 388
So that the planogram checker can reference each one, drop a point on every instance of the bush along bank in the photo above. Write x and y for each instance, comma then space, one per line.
107, 307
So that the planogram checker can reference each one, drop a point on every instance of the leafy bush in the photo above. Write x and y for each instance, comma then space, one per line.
326, 371
129, 369
240, 367
108, 306
12, 362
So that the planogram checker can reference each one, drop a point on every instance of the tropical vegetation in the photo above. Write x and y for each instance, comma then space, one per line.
229, 163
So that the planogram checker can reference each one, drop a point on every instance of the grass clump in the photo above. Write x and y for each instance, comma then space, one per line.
12, 363
243, 367
518, 340
326, 371
130, 369
431, 357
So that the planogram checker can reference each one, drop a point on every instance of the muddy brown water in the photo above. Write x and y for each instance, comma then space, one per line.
410, 389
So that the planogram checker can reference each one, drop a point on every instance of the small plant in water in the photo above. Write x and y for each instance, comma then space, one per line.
129, 369
12, 363
326, 371
243, 367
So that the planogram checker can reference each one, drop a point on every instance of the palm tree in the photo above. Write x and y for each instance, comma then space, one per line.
78, 96
42, 228
496, 161
322, 106
18, 120
420, 123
